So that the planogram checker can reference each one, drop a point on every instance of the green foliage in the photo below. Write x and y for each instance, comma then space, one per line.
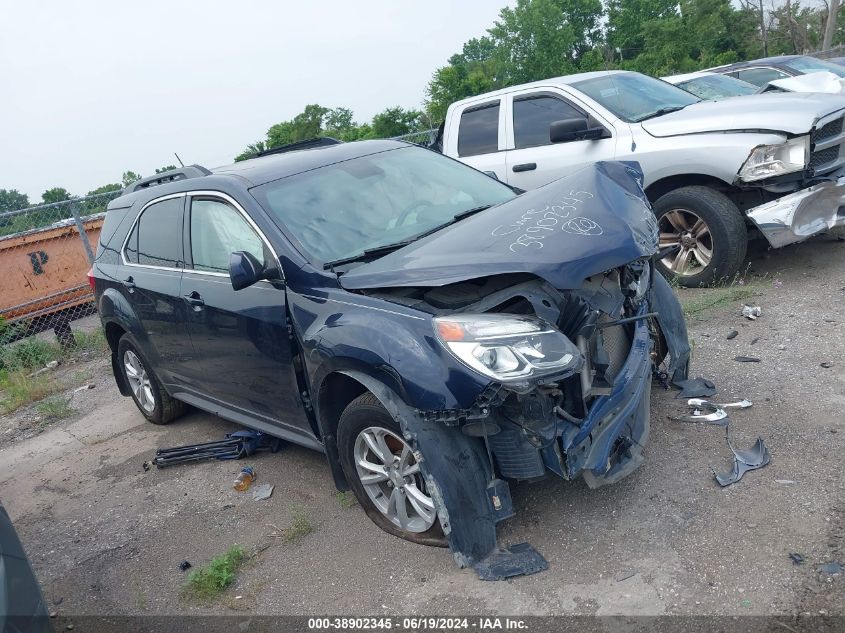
396, 121
28, 354
299, 527
209, 580
106, 189
17, 389
129, 177
12, 200
56, 194
55, 408
161, 170
252, 150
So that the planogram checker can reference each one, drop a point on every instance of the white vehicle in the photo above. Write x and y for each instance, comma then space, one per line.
711, 85
716, 172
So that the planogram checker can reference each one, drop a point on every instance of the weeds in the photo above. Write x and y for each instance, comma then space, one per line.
18, 389
345, 499
706, 299
55, 408
301, 526
211, 579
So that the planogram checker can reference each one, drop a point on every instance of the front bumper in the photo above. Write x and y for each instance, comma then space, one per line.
802, 214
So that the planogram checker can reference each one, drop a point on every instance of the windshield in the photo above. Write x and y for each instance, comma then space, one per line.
341, 210
717, 87
812, 65
635, 97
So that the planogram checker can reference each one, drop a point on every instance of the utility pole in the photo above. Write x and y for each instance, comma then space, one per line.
830, 27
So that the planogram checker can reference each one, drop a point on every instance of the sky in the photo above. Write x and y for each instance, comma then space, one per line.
91, 89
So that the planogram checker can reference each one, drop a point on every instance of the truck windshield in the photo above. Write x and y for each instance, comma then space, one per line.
634, 97
805, 65
717, 87
341, 210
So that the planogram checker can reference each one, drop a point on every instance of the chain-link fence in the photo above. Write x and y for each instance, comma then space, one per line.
45, 254
425, 138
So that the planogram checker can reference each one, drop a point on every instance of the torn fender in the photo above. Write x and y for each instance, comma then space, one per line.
468, 499
670, 318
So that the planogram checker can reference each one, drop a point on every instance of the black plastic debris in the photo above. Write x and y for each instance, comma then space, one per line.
625, 575
185, 565
754, 340
744, 460
826, 365
516, 560
237, 445
695, 388
732, 334
747, 359
797, 559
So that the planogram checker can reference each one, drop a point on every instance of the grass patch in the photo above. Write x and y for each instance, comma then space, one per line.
301, 526
699, 302
345, 498
55, 408
18, 389
211, 579
28, 354
93, 342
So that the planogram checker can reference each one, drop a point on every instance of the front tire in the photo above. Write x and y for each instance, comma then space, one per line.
150, 397
384, 475
709, 230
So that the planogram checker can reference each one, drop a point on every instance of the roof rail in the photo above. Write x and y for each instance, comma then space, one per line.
311, 143
181, 173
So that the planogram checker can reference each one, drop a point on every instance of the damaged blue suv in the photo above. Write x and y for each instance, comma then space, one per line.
433, 331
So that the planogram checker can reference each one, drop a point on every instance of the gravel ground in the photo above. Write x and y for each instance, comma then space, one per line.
105, 537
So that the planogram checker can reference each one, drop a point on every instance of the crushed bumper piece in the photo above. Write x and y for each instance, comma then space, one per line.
517, 560
744, 460
695, 388
698, 402
802, 214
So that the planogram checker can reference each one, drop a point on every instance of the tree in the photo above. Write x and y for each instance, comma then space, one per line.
830, 24
129, 177
627, 20
396, 121
56, 194
472, 71
161, 170
12, 200
105, 189
252, 150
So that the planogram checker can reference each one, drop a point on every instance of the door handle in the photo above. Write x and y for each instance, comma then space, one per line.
194, 299
128, 283
525, 167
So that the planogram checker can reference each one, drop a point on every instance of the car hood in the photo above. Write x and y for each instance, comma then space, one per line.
590, 221
822, 81
790, 112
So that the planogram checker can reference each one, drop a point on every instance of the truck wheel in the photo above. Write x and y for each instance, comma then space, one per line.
384, 475
150, 397
710, 233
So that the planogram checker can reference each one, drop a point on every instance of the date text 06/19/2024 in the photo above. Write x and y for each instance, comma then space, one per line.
422, 623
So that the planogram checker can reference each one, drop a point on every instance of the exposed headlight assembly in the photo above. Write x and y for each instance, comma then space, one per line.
507, 348
766, 161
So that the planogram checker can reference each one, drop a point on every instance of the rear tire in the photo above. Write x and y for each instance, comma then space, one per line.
150, 397
711, 233
365, 423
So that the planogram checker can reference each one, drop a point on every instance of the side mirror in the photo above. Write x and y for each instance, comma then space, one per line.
244, 270
577, 129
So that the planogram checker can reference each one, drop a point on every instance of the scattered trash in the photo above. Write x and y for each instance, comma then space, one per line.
755, 339
262, 492
747, 359
718, 417
797, 559
625, 575
781, 347
833, 568
237, 445
90, 385
732, 334
744, 460
59, 600
784, 481
698, 402
244, 479
751, 312
695, 388
185, 565
51, 365
147, 465
826, 365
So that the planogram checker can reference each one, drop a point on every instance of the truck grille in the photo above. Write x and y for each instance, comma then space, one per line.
825, 145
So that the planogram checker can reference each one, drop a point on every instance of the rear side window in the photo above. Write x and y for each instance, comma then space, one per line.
156, 239
479, 131
760, 76
532, 117
217, 231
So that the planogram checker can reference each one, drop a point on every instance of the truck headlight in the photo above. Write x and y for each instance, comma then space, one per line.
766, 161
507, 347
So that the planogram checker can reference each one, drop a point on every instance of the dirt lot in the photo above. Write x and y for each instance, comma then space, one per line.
106, 537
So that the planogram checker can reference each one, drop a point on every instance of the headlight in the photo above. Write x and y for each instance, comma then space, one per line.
766, 161
507, 348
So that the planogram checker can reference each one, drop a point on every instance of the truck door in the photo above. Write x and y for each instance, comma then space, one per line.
532, 160
480, 135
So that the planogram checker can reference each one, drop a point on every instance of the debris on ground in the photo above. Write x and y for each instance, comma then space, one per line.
237, 445
185, 565
695, 388
754, 340
716, 416
751, 312
744, 460
797, 559
785, 481
732, 335
625, 575
51, 365
833, 568
244, 479
747, 359
826, 365
741, 404
262, 492
90, 385
147, 465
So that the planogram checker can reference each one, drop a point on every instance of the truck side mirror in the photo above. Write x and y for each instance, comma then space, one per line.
577, 129
244, 269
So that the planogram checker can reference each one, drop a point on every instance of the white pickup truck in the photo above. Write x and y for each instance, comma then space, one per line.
716, 172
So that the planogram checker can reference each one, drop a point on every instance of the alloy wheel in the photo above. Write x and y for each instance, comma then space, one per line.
691, 234
139, 381
391, 477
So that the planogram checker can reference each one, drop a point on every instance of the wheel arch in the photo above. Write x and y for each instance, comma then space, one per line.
114, 331
663, 186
